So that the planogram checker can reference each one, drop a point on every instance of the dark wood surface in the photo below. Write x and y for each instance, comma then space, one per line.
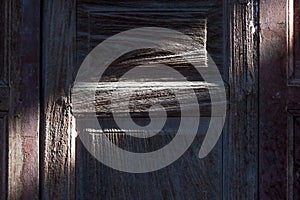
279, 100
19, 99
187, 178
251, 161
273, 115
3, 155
229, 172
296, 156
57, 128
241, 142
296, 37
293, 154
4, 105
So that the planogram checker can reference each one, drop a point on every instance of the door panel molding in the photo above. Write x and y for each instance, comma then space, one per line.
58, 129
241, 142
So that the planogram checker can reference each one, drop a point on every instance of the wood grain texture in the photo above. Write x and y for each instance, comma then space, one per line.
110, 97
22, 57
293, 41
241, 143
187, 178
293, 154
142, 89
4, 97
296, 157
4, 106
277, 96
57, 141
2, 38
93, 179
183, 16
3, 155
296, 36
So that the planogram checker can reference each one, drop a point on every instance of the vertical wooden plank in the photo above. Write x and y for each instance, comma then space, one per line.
296, 153
279, 96
58, 134
3, 155
273, 133
296, 27
4, 104
22, 57
293, 154
2, 36
273, 97
241, 143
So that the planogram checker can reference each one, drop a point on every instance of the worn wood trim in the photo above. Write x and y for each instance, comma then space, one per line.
22, 44
293, 21
290, 40
3, 155
4, 69
58, 138
293, 154
4, 65
4, 102
241, 142
273, 98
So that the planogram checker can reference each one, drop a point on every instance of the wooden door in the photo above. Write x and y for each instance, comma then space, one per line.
257, 156
279, 100
71, 29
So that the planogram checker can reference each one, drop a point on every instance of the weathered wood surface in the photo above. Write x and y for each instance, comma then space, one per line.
98, 20
95, 25
296, 44
3, 155
293, 154
19, 68
279, 93
111, 97
241, 142
234, 177
238, 180
58, 131
142, 88
296, 157
4, 106
4, 97
189, 177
